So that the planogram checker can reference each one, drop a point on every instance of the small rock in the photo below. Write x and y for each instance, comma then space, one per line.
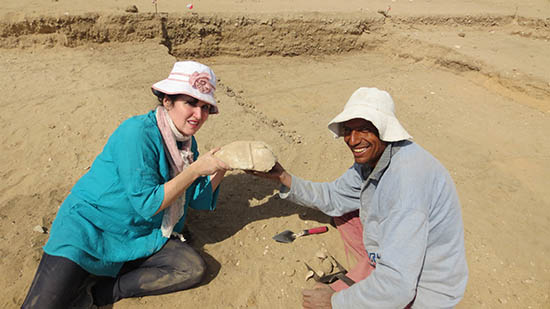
321, 255
326, 266
309, 274
462, 34
229, 92
131, 9
39, 229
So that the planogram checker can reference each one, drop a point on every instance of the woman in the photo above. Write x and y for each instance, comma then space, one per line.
111, 237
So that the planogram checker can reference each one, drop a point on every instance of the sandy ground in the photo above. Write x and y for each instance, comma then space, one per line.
470, 80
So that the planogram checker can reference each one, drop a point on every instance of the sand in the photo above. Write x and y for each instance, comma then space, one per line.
470, 80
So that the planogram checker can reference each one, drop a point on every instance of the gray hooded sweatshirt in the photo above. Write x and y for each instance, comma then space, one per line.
412, 228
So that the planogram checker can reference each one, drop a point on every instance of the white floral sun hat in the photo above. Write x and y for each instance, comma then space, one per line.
190, 78
373, 105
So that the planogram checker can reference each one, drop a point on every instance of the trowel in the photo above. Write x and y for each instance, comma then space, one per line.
289, 236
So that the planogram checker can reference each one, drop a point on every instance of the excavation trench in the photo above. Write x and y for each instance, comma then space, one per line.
214, 35
194, 36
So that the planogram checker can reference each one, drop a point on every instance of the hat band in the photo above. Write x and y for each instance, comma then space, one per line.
199, 81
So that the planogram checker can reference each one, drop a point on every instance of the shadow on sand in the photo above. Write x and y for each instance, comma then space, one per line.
234, 211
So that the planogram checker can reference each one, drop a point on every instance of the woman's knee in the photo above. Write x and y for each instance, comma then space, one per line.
186, 266
193, 268
182, 266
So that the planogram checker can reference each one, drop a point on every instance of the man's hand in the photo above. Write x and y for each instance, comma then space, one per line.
318, 298
277, 173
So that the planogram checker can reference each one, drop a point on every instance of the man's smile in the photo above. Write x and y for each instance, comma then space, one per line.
361, 136
360, 150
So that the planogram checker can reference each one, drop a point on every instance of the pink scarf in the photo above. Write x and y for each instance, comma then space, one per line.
179, 160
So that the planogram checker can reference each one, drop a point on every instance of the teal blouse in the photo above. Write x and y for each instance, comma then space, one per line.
108, 218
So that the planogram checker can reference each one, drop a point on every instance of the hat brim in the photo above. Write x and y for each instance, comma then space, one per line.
171, 87
388, 126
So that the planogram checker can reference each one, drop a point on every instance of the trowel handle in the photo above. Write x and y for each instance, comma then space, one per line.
316, 230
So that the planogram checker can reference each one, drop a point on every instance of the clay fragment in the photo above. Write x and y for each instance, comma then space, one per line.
247, 155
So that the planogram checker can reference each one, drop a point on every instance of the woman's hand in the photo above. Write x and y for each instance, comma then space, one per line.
208, 164
277, 173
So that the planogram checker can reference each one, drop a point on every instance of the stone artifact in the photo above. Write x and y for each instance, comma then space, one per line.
247, 155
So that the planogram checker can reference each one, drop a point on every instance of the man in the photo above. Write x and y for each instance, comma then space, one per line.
396, 208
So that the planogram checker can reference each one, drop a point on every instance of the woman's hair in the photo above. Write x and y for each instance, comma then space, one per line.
173, 97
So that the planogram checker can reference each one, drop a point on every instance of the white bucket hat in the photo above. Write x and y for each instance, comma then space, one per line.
373, 105
190, 78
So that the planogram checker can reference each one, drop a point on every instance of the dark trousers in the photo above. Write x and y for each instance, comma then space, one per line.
58, 280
